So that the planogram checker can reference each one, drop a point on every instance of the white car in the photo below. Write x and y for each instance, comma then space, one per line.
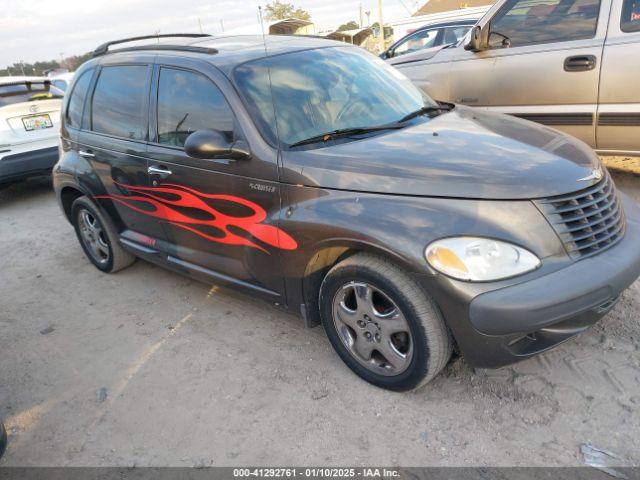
29, 127
62, 80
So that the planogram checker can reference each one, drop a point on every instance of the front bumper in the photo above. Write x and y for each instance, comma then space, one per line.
509, 324
17, 166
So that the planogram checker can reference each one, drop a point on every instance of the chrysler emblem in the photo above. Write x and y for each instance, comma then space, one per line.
33, 108
596, 174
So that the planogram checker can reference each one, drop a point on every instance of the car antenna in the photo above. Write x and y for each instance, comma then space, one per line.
273, 105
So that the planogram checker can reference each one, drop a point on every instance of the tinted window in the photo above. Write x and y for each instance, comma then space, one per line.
417, 41
630, 21
527, 22
453, 35
317, 91
119, 102
61, 84
28, 92
188, 102
76, 102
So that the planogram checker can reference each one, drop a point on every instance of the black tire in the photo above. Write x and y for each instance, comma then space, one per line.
113, 258
429, 338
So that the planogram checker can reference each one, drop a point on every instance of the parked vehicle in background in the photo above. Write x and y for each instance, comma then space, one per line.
62, 81
569, 64
312, 174
405, 26
427, 37
29, 127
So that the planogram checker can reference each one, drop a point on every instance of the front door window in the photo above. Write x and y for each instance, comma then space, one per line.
530, 22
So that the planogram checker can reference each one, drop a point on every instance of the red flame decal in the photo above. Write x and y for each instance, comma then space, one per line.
188, 197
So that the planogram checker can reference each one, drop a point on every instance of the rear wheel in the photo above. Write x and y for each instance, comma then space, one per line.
98, 237
382, 324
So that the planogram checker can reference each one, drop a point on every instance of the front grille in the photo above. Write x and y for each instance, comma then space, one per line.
587, 221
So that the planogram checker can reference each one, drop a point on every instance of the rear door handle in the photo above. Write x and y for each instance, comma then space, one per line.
162, 172
580, 63
86, 154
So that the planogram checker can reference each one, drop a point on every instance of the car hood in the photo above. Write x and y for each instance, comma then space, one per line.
417, 56
465, 153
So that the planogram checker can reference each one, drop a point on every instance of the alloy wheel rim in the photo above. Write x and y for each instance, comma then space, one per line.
373, 329
93, 237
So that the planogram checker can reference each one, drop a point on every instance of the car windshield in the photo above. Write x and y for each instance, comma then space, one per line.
27, 92
324, 90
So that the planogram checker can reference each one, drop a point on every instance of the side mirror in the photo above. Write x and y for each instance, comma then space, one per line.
208, 144
475, 40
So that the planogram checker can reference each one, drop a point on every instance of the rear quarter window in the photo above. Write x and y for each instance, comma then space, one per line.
76, 101
28, 92
119, 106
630, 21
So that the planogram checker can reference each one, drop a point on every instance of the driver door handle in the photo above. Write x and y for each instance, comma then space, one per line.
580, 63
162, 172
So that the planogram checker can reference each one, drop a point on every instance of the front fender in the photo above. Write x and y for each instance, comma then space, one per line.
400, 227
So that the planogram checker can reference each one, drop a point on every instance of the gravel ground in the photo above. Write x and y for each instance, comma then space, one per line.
146, 367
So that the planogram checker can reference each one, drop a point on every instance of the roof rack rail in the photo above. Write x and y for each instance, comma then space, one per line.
104, 48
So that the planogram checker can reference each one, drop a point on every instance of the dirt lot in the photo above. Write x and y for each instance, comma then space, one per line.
146, 367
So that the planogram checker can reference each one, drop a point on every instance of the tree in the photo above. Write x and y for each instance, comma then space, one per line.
38, 68
351, 25
279, 11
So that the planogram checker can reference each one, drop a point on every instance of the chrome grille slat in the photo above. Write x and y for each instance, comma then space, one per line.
579, 206
606, 226
597, 241
591, 213
583, 226
587, 221
583, 193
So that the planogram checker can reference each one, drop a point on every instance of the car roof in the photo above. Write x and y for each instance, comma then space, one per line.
452, 23
228, 51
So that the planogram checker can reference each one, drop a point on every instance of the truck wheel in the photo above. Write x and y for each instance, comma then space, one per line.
382, 324
98, 237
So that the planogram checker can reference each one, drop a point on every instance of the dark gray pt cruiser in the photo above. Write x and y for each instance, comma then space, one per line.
310, 173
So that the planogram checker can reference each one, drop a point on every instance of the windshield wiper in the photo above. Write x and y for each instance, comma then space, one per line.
425, 110
344, 132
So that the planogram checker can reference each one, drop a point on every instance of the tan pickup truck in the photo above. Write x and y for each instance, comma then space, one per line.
571, 64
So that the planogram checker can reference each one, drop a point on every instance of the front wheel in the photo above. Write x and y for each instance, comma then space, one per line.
382, 324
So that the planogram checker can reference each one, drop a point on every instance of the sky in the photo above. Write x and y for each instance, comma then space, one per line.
33, 30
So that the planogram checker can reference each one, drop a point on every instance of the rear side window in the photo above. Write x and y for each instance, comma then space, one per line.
188, 102
119, 105
630, 21
76, 102
28, 92
527, 22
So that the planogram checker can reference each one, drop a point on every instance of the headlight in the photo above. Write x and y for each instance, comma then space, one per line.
479, 259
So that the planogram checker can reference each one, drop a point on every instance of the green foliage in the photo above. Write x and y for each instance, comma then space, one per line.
280, 10
39, 68
351, 25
